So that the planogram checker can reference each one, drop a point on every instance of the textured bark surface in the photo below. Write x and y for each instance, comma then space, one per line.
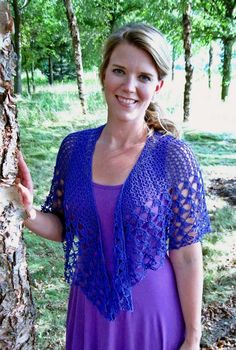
17, 13
187, 56
210, 65
227, 58
72, 22
173, 64
50, 70
16, 307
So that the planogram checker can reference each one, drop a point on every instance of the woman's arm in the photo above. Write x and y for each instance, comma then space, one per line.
46, 225
187, 264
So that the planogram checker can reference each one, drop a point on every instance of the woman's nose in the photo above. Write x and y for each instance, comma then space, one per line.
129, 84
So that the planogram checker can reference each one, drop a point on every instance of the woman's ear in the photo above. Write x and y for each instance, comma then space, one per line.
159, 85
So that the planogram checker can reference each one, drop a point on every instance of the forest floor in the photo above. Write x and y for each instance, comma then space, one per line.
45, 119
219, 317
217, 155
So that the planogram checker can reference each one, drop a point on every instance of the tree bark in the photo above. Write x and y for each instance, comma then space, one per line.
226, 71
210, 65
28, 81
173, 64
32, 77
74, 29
16, 306
187, 56
17, 15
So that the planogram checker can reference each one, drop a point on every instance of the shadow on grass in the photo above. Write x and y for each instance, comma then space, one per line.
213, 149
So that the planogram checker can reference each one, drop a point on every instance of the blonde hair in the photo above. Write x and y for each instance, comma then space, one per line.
152, 41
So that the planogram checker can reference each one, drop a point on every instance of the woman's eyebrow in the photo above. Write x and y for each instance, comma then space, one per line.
148, 74
118, 66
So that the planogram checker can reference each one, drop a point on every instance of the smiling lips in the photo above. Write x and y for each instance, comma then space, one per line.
126, 101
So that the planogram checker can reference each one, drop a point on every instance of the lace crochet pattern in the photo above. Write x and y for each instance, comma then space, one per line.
161, 206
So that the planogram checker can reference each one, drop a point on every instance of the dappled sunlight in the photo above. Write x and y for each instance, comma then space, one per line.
208, 112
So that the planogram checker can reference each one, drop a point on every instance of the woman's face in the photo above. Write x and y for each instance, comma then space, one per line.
130, 81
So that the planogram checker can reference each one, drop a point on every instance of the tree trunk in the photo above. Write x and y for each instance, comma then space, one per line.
28, 81
16, 306
210, 65
61, 68
32, 77
50, 70
173, 64
18, 82
226, 71
187, 56
74, 29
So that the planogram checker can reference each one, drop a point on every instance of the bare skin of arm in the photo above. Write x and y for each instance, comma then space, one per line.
46, 225
187, 264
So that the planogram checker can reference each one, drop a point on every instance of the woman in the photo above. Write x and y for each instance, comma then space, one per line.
127, 200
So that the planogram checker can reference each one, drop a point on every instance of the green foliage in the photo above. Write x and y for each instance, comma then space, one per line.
215, 20
95, 101
46, 35
39, 78
43, 106
45, 29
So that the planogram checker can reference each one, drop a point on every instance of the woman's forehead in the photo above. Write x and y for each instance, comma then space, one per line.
127, 54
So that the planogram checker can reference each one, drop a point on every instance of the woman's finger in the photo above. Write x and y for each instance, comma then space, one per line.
25, 196
24, 173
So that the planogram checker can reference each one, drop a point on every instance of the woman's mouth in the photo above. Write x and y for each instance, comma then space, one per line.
126, 101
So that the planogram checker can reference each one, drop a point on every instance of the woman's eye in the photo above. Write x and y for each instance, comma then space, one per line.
144, 78
118, 71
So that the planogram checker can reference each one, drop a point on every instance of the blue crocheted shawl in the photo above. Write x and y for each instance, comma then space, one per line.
161, 206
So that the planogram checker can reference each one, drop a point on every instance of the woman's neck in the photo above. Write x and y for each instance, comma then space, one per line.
123, 135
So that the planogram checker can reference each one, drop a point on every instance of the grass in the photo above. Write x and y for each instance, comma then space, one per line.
45, 259
44, 123
219, 266
213, 149
219, 262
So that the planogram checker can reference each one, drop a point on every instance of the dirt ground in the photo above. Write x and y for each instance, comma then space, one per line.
219, 319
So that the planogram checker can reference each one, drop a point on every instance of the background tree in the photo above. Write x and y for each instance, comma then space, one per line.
18, 8
187, 56
74, 29
210, 65
16, 307
98, 18
167, 17
217, 21
46, 43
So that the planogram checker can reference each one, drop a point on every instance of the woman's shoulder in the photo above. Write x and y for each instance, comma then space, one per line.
174, 146
177, 155
171, 144
80, 136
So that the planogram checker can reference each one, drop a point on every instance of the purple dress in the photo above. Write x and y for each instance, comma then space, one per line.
156, 322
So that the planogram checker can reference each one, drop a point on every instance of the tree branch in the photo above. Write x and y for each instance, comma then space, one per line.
26, 3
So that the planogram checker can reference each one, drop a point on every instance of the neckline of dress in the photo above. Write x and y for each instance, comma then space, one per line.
107, 187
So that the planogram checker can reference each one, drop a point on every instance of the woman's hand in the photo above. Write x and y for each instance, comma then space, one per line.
46, 225
24, 183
